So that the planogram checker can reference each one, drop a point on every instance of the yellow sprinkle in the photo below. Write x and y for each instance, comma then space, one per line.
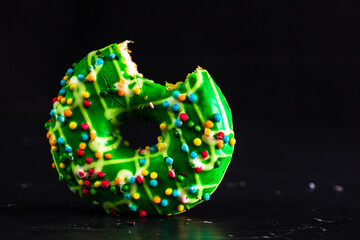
168, 191
92, 135
73, 125
117, 181
209, 124
161, 146
207, 132
66, 77
82, 146
63, 101
97, 184
180, 207
136, 196
147, 148
69, 101
197, 141
146, 97
163, 126
62, 165
86, 94
81, 182
108, 156
157, 199
232, 141
91, 77
137, 91
153, 175
126, 143
182, 97
144, 172
122, 81
73, 86
54, 148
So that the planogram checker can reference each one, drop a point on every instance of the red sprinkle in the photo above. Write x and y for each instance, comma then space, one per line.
85, 191
139, 178
54, 100
86, 103
183, 117
171, 173
87, 183
205, 154
198, 169
80, 152
81, 173
142, 213
220, 135
112, 211
105, 183
101, 174
88, 160
84, 126
91, 171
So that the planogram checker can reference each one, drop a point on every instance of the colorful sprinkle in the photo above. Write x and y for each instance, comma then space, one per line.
192, 189
217, 117
142, 161
169, 161
175, 193
183, 117
176, 94
171, 173
226, 139
220, 135
112, 56
164, 202
157, 199
193, 155
153, 182
139, 178
175, 107
193, 98
206, 197
142, 213
182, 97
178, 123
67, 113
180, 207
232, 141
80, 77
165, 104
168, 191
61, 140
99, 61
86, 103
163, 126
185, 147
136, 196
209, 124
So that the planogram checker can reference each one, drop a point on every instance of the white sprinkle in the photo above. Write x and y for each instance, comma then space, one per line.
151, 104
338, 188
312, 186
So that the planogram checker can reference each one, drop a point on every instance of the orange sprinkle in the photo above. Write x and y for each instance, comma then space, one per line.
98, 155
67, 113
108, 156
48, 134
182, 97
220, 144
92, 135
59, 98
82, 146
117, 180
52, 141
207, 132
209, 124
91, 77
121, 93
122, 81
53, 165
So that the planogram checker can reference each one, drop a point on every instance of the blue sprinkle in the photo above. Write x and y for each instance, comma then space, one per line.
142, 161
193, 155
62, 82
153, 182
132, 208
226, 139
185, 147
61, 118
193, 97
84, 137
175, 193
52, 112
81, 77
61, 140
217, 117
192, 189
206, 197
178, 123
62, 92
176, 94
175, 107
152, 149
99, 61
165, 104
164, 202
169, 160
70, 71
132, 179
127, 195
112, 56
68, 149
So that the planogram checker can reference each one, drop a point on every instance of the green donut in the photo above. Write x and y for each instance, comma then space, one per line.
182, 170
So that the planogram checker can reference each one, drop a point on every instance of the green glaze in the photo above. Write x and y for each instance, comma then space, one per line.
108, 111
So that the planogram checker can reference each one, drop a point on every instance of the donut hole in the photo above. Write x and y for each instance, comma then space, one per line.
140, 133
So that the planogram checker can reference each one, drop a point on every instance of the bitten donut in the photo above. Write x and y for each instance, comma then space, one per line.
181, 170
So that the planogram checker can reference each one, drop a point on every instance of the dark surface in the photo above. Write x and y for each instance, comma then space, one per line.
289, 71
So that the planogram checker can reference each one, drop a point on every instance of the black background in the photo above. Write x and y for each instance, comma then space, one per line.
289, 71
